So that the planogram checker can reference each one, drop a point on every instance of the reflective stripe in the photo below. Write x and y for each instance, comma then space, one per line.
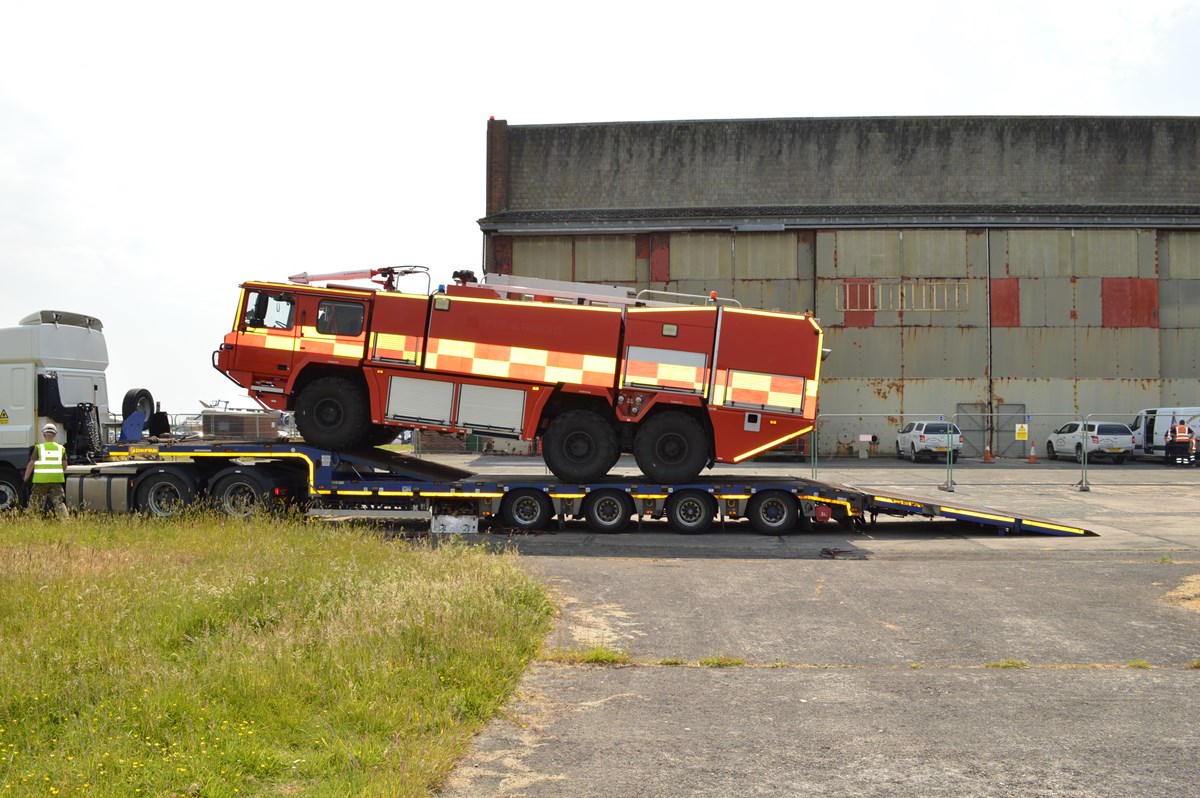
672, 369
774, 391
519, 363
48, 467
396, 348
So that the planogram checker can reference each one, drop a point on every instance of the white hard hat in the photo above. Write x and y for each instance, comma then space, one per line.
49, 429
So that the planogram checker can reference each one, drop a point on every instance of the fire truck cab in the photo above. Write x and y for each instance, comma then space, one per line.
680, 386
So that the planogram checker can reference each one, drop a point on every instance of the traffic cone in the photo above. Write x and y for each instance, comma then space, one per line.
1032, 450
987, 453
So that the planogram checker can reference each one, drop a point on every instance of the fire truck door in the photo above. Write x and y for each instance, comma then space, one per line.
267, 339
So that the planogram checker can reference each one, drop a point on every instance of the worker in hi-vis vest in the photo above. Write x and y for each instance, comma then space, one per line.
48, 468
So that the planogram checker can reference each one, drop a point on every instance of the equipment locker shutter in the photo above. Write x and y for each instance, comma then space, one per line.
411, 399
499, 409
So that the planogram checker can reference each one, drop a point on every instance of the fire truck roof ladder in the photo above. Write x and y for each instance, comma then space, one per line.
593, 294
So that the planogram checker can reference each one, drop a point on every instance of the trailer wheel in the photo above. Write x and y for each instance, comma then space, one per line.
138, 399
164, 494
240, 493
772, 512
608, 511
690, 512
10, 489
331, 413
580, 446
526, 509
670, 447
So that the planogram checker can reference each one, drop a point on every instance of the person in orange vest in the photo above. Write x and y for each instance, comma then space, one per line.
48, 468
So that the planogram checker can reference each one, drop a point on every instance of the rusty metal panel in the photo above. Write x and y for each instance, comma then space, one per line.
1106, 253
1182, 392
933, 253
1037, 253
543, 256
867, 253
768, 256
1180, 254
701, 288
856, 351
1179, 304
952, 353
790, 296
1116, 353
606, 259
1180, 354
1089, 312
1036, 352
827, 304
702, 256
1147, 244
1047, 301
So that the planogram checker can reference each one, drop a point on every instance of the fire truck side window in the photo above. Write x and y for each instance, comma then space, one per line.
264, 310
339, 318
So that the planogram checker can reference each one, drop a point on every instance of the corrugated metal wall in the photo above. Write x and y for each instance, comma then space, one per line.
1059, 322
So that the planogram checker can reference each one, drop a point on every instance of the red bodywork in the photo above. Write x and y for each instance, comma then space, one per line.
467, 360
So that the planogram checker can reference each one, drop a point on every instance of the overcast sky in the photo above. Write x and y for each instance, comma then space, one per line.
153, 155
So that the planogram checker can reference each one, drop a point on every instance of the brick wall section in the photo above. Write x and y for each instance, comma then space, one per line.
989, 161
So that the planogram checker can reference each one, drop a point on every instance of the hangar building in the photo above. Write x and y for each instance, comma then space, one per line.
981, 268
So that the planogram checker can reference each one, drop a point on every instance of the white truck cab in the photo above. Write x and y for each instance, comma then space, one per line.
1150, 427
51, 369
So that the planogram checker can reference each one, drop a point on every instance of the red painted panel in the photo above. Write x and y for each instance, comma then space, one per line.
1006, 302
660, 258
1129, 302
642, 246
859, 305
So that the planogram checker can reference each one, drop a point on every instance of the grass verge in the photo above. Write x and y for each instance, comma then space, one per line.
272, 657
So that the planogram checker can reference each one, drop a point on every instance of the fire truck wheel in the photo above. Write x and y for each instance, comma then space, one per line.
772, 512
138, 399
580, 446
526, 509
164, 494
10, 489
670, 447
382, 434
690, 512
331, 413
608, 511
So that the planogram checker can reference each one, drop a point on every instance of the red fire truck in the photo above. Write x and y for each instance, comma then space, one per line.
593, 371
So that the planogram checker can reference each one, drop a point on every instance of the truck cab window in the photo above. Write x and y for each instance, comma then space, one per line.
339, 318
265, 310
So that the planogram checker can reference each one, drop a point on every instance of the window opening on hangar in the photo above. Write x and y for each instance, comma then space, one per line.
904, 295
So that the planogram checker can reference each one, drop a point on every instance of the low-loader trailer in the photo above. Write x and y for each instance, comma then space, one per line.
245, 478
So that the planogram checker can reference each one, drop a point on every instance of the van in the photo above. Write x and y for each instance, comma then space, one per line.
1150, 428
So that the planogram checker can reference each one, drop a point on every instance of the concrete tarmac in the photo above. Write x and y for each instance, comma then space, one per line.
932, 658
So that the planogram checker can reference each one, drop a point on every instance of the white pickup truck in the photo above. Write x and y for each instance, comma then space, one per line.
1107, 439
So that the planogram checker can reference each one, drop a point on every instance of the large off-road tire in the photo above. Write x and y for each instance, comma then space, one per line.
332, 413
608, 511
773, 512
671, 447
383, 434
580, 446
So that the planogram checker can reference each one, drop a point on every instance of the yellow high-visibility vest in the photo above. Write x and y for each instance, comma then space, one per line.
48, 465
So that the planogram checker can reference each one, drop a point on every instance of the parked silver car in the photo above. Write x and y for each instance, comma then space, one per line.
932, 439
